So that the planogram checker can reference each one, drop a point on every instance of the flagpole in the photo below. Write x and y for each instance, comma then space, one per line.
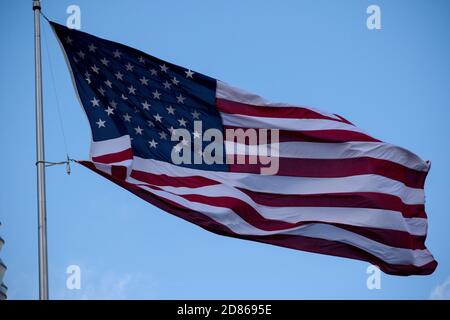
40, 158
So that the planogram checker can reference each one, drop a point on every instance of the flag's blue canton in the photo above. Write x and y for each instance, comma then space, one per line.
125, 91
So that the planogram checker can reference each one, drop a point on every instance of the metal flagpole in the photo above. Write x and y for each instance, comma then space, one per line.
40, 158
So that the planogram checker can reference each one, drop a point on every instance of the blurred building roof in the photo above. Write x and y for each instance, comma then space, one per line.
3, 287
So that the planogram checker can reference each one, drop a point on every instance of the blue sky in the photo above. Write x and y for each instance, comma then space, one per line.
394, 83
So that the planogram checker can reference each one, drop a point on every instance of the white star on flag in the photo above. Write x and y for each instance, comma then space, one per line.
95, 102
92, 47
144, 81
108, 83
109, 111
131, 90
156, 94
166, 85
153, 143
145, 105
117, 54
189, 74
182, 122
101, 123
158, 117
95, 69
195, 114
129, 67
105, 61
180, 98
113, 104
164, 68
127, 117
119, 75
138, 130
170, 110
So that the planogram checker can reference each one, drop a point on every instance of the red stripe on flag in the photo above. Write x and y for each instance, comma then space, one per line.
165, 180
369, 200
316, 135
334, 168
234, 107
114, 157
339, 249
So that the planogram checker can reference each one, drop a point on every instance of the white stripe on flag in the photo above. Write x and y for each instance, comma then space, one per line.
225, 91
243, 121
100, 148
342, 150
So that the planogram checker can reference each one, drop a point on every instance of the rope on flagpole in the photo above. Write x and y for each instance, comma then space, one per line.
51, 163
44, 16
69, 160
58, 106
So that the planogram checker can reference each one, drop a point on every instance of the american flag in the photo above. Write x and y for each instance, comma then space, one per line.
338, 191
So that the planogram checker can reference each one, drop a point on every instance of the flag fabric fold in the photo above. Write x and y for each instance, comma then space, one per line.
336, 191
